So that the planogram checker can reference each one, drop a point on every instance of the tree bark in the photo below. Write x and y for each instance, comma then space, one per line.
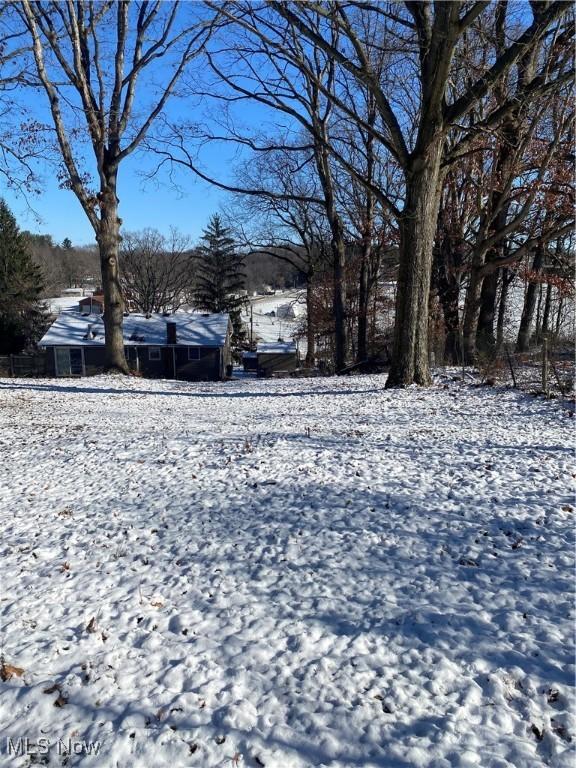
417, 230
449, 303
547, 307
310, 329
502, 306
447, 286
485, 338
338, 261
523, 340
559, 318
108, 239
363, 300
471, 310
538, 328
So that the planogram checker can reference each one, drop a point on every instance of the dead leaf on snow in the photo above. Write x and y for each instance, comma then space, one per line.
8, 671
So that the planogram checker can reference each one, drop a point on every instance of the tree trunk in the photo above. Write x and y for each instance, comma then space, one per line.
502, 309
471, 310
447, 286
559, 318
310, 330
523, 341
338, 260
363, 299
538, 328
417, 230
452, 350
108, 243
547, 306
485, 339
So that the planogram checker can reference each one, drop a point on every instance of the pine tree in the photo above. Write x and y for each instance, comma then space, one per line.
220, 276
22, 317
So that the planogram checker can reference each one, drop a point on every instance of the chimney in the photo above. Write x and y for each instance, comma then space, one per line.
89, 333
171, 333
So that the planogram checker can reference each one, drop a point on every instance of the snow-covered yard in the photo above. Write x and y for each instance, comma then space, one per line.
291, 574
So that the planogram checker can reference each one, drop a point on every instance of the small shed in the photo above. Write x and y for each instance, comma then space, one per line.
92, 305
276, 357
249, 361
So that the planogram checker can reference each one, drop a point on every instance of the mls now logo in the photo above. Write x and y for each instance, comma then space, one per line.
26, 746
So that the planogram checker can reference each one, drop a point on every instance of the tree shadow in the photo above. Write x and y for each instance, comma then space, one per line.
70, 388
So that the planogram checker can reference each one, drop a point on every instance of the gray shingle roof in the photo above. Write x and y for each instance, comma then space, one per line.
193, 330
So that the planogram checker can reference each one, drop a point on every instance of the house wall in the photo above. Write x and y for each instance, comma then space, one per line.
208, 368
226, 357
94, 360
50, 362
273, 362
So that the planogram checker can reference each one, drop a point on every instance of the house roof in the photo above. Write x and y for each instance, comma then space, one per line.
276, 348
74, 329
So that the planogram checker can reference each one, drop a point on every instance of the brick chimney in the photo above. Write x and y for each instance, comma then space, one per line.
171, 336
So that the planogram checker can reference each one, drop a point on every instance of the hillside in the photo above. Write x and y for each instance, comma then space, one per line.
291, 574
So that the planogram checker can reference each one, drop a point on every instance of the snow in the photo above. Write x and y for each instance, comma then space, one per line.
270, 329
62, 303
76, 329
289, 573
275, 348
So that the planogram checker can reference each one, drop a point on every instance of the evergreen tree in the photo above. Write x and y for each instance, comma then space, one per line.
220, 276
22, 317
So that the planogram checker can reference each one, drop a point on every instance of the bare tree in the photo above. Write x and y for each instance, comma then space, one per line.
249, 66
284, 220
157, 272
518, 161
90, 59
426, 34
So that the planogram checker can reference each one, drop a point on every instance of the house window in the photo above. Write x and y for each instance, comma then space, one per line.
193, 353
69, 361
154, 353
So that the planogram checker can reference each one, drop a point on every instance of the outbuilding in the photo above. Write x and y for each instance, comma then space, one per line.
182, 345
92, 305
276, 357
249, 361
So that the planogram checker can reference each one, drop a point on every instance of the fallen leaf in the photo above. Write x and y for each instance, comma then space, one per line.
8, 671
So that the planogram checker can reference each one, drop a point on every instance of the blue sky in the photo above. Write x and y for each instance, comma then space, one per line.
143, 203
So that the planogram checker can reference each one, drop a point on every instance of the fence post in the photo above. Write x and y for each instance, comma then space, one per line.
545, 366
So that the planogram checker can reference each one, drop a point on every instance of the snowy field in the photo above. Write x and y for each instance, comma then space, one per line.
269, 329
290, 574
